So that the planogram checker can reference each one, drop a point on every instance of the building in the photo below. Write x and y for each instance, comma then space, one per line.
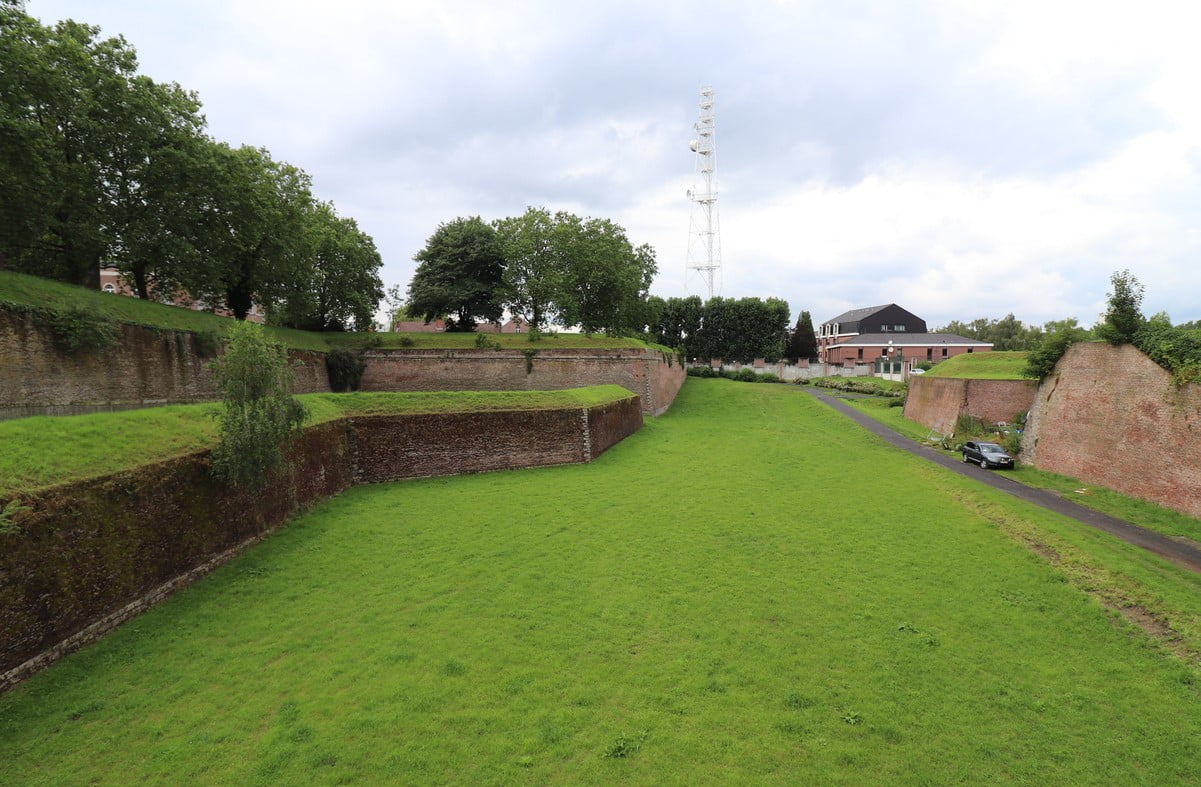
889, 337
111, 281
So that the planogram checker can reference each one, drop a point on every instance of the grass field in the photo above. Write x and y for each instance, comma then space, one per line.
983, 366
46, 450
31, 291
749, 590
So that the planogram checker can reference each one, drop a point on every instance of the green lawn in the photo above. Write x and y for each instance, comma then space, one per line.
46, 450
749, 590
25, 291
983, 366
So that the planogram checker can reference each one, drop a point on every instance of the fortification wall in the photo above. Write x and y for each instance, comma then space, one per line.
93, 554
148, 367
937, 402
145, 367
643, 372
1111, 416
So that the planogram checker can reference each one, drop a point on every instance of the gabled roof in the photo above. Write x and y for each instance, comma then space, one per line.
855, 315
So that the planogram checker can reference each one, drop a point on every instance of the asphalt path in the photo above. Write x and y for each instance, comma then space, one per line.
1179, 553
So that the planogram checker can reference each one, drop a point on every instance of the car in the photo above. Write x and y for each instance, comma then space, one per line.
986, 454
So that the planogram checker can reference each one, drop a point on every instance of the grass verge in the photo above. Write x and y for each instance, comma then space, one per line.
604, 622
997, 365
46, 450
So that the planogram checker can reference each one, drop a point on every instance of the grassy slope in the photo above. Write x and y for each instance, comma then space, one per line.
1140, 512
678, 601
983, 366
23, 290
46, 450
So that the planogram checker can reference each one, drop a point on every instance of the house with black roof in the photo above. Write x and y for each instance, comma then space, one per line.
889, 337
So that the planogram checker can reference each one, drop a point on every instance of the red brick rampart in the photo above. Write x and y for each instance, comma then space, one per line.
92, 554
937, 402
655, 377
1111, 416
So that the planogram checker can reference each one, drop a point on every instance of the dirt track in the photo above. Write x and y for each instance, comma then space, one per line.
1181, 554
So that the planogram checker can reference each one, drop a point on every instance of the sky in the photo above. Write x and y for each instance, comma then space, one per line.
961, 159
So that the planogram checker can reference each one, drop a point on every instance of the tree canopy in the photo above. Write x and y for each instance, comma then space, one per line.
100, 165
741, 329
802, 342
459, 272
1122, 318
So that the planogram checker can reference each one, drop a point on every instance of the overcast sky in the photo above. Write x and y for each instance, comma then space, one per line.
961, 159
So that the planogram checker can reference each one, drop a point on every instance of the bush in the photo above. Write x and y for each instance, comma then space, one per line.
259, 415
1041, 361
801, 381
768, 377
746, 375
207, 343
345, 370
81, 330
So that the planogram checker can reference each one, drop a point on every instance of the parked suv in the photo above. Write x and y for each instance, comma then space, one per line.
986, 454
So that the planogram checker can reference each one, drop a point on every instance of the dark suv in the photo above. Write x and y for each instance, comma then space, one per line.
986, 454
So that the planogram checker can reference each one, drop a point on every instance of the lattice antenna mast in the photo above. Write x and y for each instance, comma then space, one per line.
704, 234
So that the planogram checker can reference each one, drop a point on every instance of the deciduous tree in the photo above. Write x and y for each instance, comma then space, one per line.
459, 272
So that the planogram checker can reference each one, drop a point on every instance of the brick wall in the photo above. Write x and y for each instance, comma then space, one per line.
937, 402
145, 367
93, 554
643, 372
1111, 416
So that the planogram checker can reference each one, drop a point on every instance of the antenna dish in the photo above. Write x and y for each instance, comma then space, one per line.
693, 145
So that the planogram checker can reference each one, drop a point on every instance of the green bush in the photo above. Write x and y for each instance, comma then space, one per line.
746, 375
207, 343
81, 330
259, 415
345, 370
768, 377
1041, 361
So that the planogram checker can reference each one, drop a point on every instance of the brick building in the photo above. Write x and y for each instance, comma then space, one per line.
111, 281
889, 337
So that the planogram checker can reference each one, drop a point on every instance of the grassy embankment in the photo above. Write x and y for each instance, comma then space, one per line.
25, 291
46, 450
1140, 512
750, 589
983, 366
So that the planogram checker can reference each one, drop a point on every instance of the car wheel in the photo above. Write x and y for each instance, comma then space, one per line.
983, 464
965, 459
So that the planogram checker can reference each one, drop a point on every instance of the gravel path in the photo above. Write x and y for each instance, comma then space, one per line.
1181, 554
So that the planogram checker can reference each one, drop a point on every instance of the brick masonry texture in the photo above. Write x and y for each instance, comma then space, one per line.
1111, 416
643, 372
151, 367
146, 367
93, 554
937, 402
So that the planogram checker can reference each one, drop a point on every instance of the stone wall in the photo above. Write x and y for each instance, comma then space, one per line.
937, 402
644, 372
93, 554
149, 367
145, 367
1111, 416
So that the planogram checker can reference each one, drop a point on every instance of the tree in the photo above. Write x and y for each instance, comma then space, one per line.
1122, 317
803, 341
534, 265
604, 278
459, 272
341, 288
259, 415
1058, 337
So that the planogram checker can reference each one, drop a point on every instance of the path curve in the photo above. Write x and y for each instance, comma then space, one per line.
1181, 554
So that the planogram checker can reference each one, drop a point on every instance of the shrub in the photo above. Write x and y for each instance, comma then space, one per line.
207, 343
768, 377
259, 415
485, 342
801, 381
1041, 361
746, 375
405, 341
81, 330
345, 370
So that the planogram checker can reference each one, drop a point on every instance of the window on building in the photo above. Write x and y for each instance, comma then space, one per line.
944, 352
969, 349
861, 353
929, 353
899, 328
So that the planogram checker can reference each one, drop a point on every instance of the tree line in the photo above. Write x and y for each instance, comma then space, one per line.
100, 165
736, 330
547, 269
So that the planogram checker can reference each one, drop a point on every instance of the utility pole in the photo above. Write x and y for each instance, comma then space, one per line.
704, 234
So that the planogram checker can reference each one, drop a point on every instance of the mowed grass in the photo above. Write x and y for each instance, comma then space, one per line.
749, 590
45, 450
997, 365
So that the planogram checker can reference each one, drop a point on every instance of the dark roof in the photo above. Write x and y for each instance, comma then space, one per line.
922, 339
855, 315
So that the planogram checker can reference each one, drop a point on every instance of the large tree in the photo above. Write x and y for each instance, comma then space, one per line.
605, 278
534, 266
1122, 317
340, 287
803, 341
459, 272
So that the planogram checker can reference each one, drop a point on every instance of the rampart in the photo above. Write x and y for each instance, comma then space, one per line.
655, 377
93, 554
150, 366
938, 402
145, 367
1113, 417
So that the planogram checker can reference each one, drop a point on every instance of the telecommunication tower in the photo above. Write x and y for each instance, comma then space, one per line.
704, 239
